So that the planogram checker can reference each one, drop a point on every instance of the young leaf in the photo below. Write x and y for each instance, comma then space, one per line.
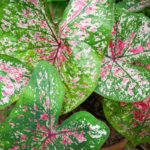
33, 122
133, 5
132, 120
27, 33
123, 76
14, 76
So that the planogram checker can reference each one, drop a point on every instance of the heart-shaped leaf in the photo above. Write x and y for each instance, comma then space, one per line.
27, 33
133, 5
132, 120
33, 122
123, 76
14, 76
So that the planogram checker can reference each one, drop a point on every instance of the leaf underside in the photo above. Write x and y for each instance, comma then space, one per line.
132, 120
32, 124
27, 33
125, 74
133, 5
14, 76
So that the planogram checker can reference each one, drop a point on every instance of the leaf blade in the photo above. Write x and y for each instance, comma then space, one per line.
14, 76
124, 66
32, 124
132, 121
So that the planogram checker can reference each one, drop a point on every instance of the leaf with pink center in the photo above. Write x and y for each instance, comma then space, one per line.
27, 33
125, 74
32, 124
14, 76
133, 5
132, 120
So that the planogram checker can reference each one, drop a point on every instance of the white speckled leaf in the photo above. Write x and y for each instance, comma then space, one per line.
79, 29
26, 30
32, 124
27, 33
14, 76
133, 5
124, 73
90, 22
132, 120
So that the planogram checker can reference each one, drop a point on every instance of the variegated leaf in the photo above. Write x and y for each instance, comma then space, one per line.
32, 124
132, 120
133, 5
14, 76
89, 22
79, 29
124, 76
27, 33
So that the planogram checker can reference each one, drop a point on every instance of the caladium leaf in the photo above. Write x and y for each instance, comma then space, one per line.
57, 8
27, 33
32, 124
133, 5
123, 76
132, 120
14, 76
89, 22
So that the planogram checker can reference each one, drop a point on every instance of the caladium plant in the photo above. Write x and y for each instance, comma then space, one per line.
133, 5
14, 76
27, 32
132, 120
32, 124
123, 76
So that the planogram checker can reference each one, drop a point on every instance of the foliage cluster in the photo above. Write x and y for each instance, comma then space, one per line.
54, 54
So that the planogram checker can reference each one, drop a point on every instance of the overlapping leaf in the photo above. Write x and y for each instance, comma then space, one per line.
14, 76
27, 33
123, 76
33, 122
133, 5
26, 30
132, 120
89, 22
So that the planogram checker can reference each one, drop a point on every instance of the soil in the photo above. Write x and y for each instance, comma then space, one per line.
94, 106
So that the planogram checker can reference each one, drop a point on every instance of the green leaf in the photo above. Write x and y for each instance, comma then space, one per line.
90, 22
133, 5
28, 34
57, 8
132, 120
14, 76
124, 76
33, 122
25, 29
